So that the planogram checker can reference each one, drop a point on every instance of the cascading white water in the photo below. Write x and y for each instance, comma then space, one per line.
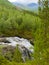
20, 41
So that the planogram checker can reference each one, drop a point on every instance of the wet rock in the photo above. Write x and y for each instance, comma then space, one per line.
24, 46
8, 52
26, 53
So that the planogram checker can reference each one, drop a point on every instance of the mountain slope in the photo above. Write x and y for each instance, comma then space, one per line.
33, 6
30, 7
14, 22
6, 3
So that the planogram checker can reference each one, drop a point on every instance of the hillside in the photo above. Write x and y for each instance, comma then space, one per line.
12, 20
16, 22
6, 3
28, 29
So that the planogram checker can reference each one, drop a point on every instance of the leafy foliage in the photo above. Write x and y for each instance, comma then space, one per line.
16, 22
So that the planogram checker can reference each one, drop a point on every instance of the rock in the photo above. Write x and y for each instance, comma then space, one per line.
8, 52
24, 46
26, 54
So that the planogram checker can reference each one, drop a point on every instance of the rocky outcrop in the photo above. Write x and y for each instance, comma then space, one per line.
26, 53
10, 44
8, 52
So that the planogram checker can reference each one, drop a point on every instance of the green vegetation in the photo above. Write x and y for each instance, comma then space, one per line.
15, 22
42, 36
17, 56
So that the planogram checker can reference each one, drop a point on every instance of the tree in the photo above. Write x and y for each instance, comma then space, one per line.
42, 41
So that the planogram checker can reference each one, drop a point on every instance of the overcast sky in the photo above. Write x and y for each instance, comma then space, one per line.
24, 1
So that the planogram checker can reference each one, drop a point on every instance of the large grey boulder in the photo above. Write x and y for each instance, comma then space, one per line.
8, 52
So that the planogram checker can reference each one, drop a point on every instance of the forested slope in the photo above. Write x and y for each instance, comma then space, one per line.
14, 22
